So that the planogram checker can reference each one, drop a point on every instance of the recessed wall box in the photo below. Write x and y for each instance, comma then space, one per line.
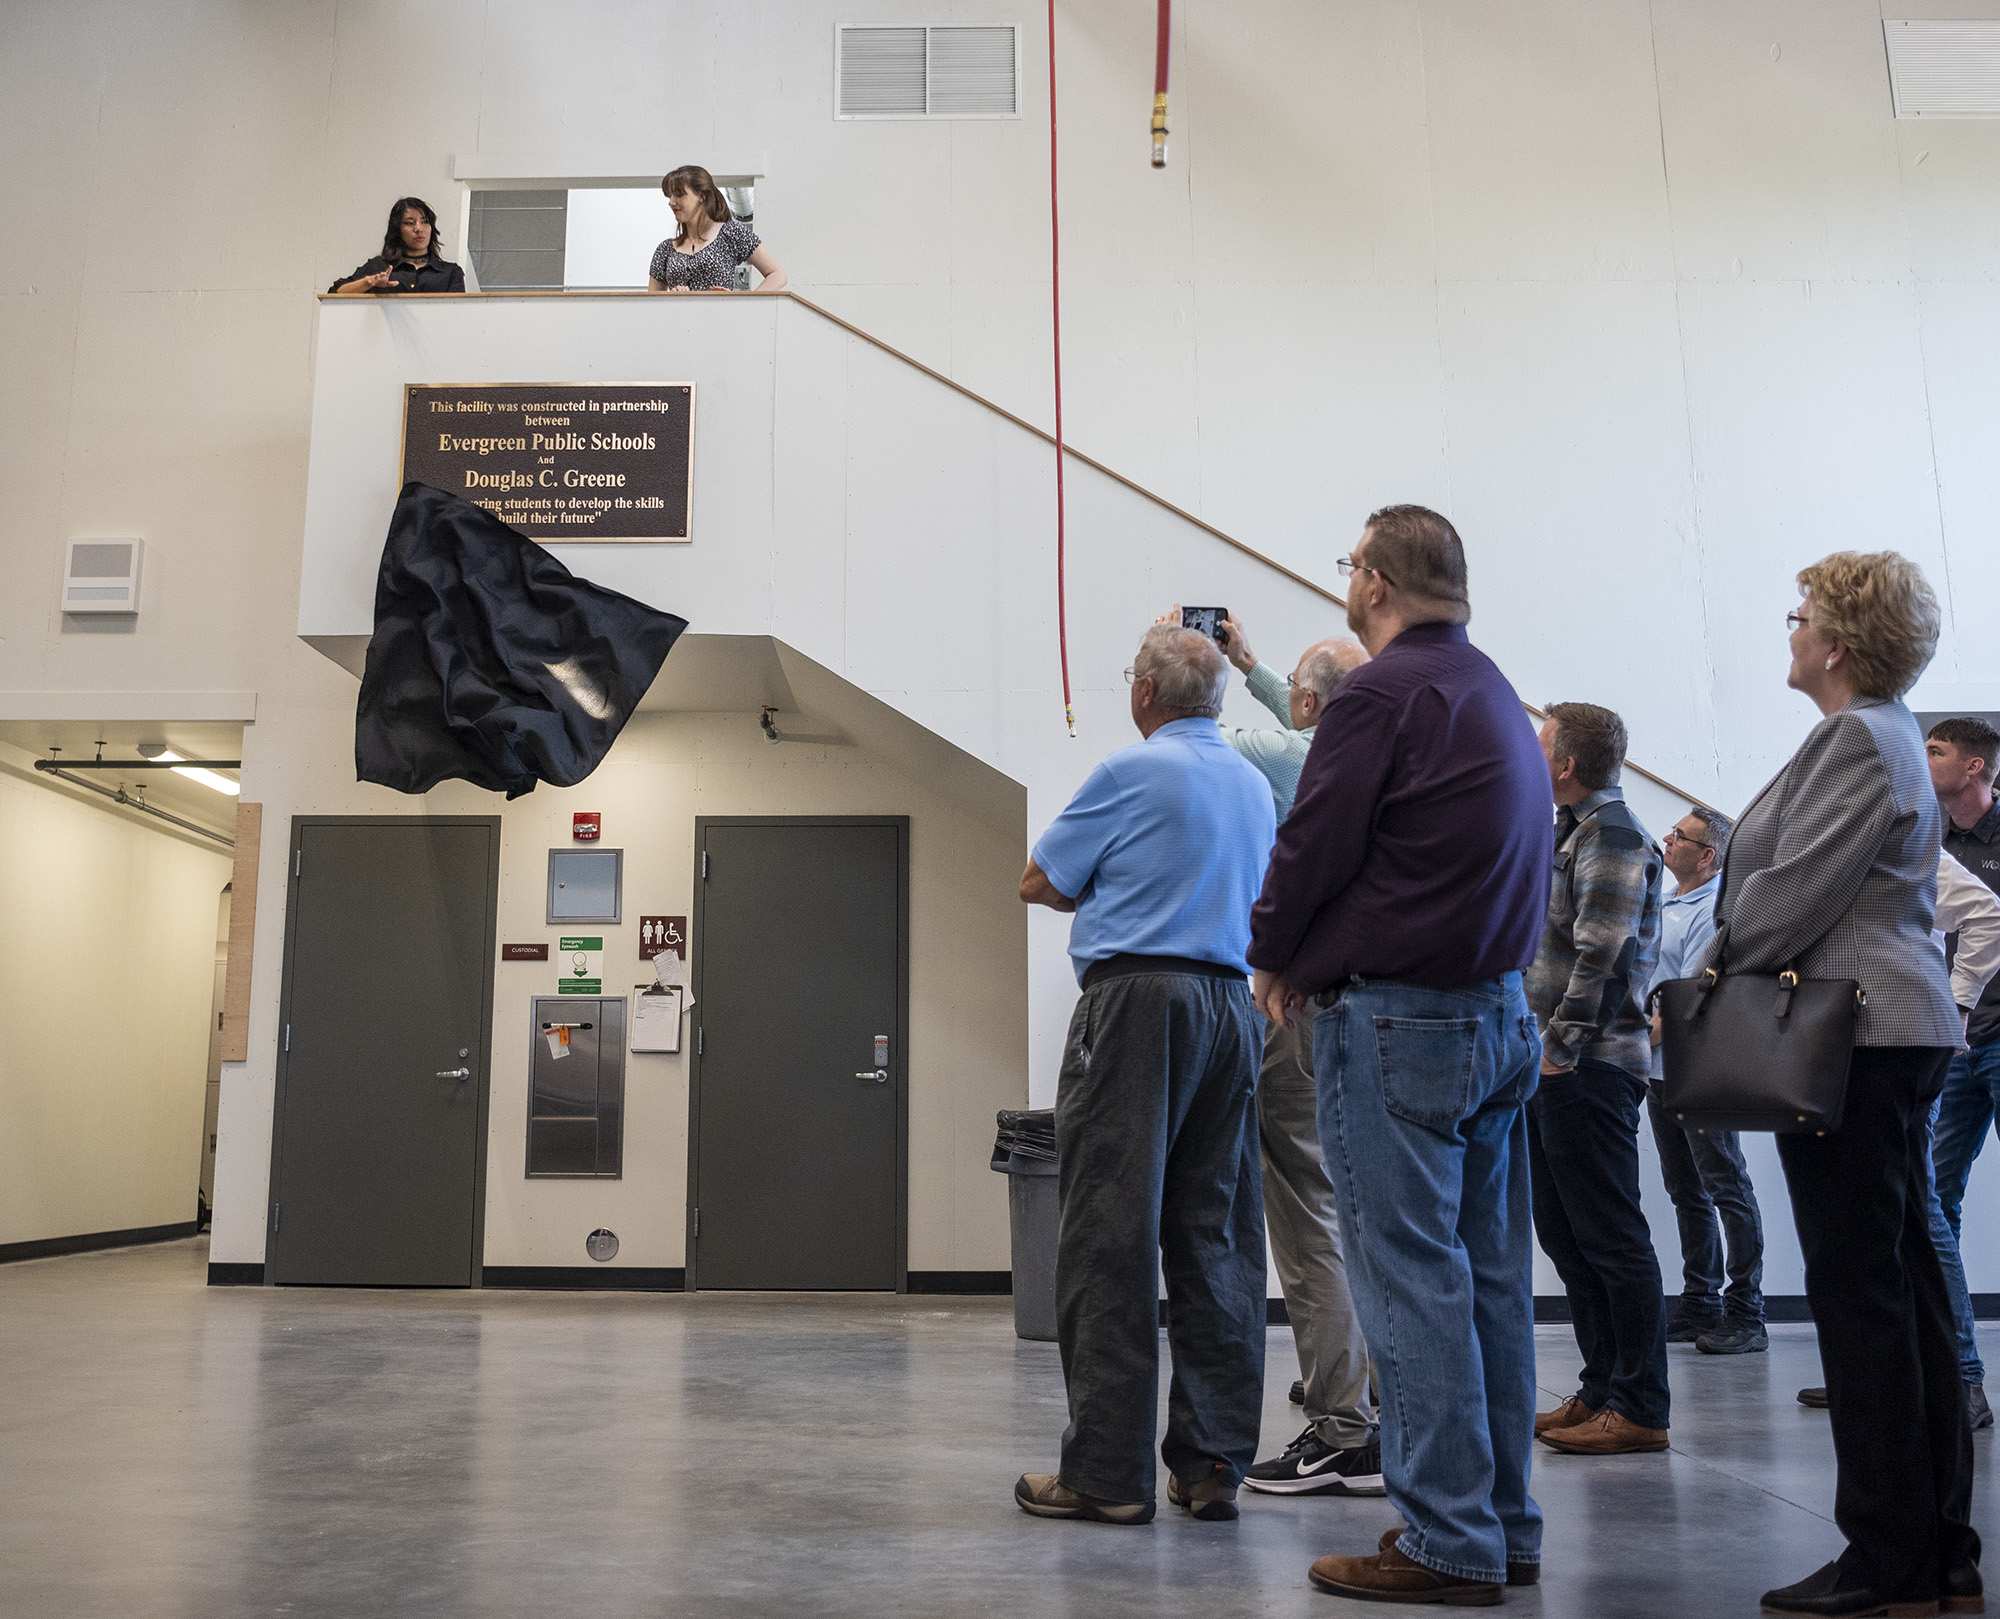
101, 576
585, 885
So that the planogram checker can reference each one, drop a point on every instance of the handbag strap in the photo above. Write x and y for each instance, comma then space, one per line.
1711, 976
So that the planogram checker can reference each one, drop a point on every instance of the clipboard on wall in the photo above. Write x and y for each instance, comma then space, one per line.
656, 1017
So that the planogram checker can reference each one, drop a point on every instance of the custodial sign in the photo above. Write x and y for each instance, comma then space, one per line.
559, 461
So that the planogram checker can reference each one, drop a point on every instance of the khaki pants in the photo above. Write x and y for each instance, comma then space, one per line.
1304, 1223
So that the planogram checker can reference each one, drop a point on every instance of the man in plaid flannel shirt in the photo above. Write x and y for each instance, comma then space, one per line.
1587, 989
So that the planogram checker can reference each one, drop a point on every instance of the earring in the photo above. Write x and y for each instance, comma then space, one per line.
1829, 663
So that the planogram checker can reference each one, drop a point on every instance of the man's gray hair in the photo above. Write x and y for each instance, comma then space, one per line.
1718, 827
1188, 671
1321, 672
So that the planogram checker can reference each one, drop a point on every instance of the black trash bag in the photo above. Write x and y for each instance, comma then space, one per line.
1025, 1135
491, 662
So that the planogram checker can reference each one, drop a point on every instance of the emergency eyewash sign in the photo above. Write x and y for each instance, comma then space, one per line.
560, 461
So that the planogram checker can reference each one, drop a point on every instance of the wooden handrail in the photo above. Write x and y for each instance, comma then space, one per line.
1021, 422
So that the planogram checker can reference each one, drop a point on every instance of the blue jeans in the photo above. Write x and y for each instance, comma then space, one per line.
1422, 1096
1959, 1124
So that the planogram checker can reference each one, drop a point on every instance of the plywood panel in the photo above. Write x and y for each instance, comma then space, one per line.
242, 934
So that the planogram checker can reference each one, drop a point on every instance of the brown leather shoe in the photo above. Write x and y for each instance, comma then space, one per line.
1606, 1434
1389, 1576
1046, 1496
1566, 1415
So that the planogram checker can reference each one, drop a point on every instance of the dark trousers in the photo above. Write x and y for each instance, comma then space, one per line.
1713, 1200
1156, 1127
1583, 1150
1886, 1335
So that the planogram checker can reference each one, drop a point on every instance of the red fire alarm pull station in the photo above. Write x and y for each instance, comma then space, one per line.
585, 826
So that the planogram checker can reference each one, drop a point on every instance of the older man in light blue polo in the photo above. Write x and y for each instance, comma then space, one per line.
1160, 856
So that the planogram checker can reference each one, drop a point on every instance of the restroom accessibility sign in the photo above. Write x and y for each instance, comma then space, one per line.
580, 961
559, 461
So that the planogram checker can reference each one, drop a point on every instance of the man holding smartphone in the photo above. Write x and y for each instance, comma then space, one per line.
1339, 1452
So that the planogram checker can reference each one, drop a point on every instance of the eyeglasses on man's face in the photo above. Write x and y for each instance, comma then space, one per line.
1676, 835
1347, 567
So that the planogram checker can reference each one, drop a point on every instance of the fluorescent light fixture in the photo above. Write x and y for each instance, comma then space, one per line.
208, 778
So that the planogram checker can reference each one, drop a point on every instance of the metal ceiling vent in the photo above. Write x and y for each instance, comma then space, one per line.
913, 72
1944, 69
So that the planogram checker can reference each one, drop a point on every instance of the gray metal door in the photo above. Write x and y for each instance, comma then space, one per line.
377, 1150
800, 944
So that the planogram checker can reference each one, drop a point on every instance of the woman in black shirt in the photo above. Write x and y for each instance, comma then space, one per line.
409, 260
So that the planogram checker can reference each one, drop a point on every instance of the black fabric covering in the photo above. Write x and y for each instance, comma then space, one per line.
491, 662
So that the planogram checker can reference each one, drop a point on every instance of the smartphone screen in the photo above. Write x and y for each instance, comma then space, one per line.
1206, 619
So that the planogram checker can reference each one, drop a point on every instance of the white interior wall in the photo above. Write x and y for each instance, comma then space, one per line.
107, 944
1646, 293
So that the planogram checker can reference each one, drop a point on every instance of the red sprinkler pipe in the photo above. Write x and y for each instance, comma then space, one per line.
1160, 56
1055, 306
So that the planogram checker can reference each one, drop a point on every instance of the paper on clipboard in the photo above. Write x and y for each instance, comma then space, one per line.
656, 1018
671, 972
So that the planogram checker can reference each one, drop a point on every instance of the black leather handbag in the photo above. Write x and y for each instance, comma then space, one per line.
1746, 1051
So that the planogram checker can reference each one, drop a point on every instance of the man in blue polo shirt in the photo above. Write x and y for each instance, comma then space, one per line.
1160, 856
1704, 1171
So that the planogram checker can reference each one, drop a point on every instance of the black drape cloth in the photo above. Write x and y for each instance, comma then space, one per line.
491, 662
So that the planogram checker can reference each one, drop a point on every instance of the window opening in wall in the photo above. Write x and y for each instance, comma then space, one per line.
518, 239
585, 238
922, 72
612, 232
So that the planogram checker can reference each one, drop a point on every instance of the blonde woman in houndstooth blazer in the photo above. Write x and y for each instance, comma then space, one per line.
1832, 870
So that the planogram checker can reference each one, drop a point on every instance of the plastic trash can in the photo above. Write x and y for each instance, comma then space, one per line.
1025, 1152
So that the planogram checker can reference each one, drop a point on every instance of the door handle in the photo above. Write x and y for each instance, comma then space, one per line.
879, 1075
454, 1073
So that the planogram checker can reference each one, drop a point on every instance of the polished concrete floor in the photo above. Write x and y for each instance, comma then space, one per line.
169, 1449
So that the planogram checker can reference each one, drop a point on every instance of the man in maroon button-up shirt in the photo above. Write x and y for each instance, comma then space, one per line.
1407, 893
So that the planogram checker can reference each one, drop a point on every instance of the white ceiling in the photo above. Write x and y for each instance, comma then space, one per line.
191, 739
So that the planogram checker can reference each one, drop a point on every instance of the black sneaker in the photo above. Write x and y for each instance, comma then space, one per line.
1815, 1399
1685, 1325
1734, 1338
1976, 1408
1310, 1466
1299, 1392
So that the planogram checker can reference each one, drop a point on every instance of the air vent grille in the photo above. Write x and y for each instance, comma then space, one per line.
882, 73
912, 72
972, 73
1944, 69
